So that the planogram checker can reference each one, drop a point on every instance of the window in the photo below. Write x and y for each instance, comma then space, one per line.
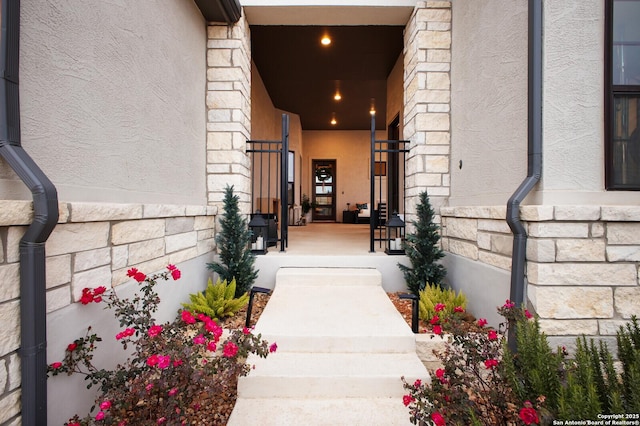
622, 74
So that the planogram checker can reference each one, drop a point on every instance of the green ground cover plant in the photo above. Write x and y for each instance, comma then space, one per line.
218, 300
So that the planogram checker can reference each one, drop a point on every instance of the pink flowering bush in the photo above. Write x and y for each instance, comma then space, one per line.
173, 366
471, 388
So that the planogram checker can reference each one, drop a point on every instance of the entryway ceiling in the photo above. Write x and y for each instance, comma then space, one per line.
302, 76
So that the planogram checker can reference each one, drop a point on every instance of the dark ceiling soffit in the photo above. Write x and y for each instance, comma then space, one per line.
228, 11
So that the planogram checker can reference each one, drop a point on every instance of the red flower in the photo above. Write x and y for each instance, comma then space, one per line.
199, 340
56, 365
439, 373
434, 320
105, 405
72, 347
87, 296
492, 335
172, 267
437, 330
175, 272
528, 414
458, 309
417, 383
173, 391
273, 347
482, 322
211, 346
100, 415
407, 399
508, 304
491, 363
188, 318
154, 330
245, 330
136, 275
99, 290
152, 360
439, 307
437, 419
230, 349
177, 362
527, 314
164, 361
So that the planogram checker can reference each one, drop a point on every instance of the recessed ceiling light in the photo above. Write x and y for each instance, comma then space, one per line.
325, 40
337, 96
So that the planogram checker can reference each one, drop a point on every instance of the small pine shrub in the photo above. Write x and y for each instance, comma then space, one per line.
218, 301
433, 295
423, 250
628, 339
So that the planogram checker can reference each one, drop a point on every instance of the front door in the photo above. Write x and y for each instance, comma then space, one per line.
324, 185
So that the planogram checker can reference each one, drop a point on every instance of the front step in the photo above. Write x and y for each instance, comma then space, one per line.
330, 375
320, 412
333, 310
342, 349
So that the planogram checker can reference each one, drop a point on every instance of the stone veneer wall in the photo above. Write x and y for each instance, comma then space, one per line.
582, 261
93, 244
228, 111
427, 108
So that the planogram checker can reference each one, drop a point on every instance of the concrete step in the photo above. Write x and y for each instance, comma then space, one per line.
344, 314
328, 276
320, 412
330, 375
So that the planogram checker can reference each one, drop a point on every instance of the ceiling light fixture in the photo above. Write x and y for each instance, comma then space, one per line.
337, 96
325, 40
372, 110
333, 119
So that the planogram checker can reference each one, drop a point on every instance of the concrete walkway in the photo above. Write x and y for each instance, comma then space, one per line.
342, 348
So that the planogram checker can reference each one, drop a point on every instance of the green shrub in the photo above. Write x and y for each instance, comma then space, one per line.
628, 339
433, 295
218, 301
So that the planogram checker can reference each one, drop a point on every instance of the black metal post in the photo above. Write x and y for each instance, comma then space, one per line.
253, 291
414, 309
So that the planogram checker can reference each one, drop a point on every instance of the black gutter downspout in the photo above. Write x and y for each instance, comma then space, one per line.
32, 245
534, 164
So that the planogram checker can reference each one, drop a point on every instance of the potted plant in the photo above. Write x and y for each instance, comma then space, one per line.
306, 205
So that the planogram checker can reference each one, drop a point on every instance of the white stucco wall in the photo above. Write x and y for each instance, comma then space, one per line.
112, 100
488, 101
573, 98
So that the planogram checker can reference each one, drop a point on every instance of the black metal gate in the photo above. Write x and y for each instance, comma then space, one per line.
388, 184
269, 195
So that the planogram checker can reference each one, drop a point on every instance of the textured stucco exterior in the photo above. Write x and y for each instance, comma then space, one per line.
112, 101
488, 101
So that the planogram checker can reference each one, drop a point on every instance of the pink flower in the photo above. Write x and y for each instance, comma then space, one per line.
229, 350
99, 290
437, 330
407, 399
211, 346
199, 340
149, 387
175, 272
417, 383
492, 335
273, 347
439, 307
482, 322
434, 320
152, 360
214, 329
458, 309
528, 414
105, 405
72, 347
491, 363
508, 304
437, 419
245, 330
87, 296
56, 365
100, 415
173, 391
164, 361
439, 373
136, 275
127, 332
154, 330
162, 420
527, 314
187, 317
202, 317
177, 362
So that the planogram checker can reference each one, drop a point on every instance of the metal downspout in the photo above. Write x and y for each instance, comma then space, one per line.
32, 245
534, 163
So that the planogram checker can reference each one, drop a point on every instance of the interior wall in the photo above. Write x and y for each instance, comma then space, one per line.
112, 103
488, 101
352, 151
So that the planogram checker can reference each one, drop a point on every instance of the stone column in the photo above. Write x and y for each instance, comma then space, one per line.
228, 111
427, 86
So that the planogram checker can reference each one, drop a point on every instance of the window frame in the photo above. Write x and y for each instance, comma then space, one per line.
611, 91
